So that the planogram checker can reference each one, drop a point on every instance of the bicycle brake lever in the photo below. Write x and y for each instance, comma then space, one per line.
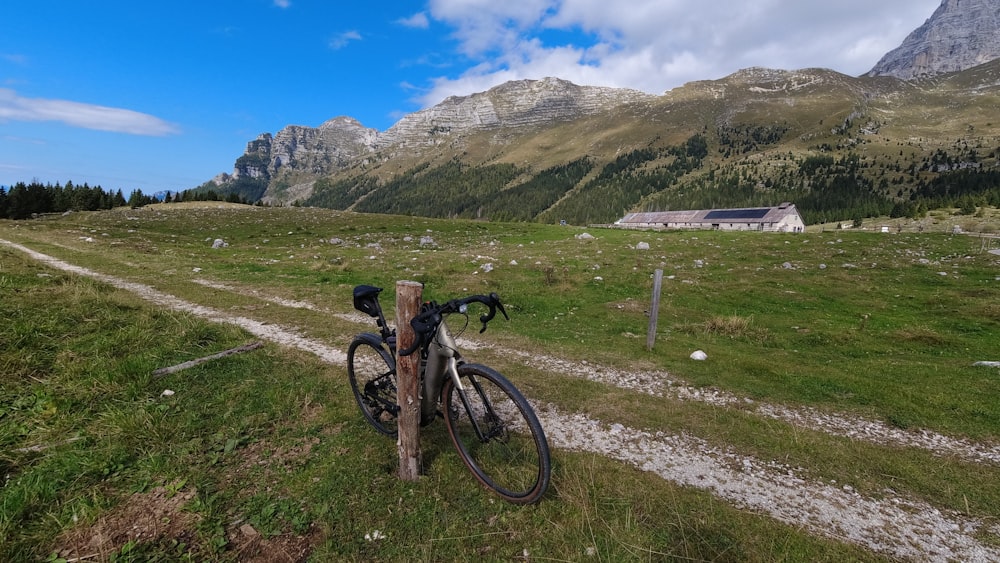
496, 300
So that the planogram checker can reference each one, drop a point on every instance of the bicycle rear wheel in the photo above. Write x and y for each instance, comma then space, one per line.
497, 434
372, 372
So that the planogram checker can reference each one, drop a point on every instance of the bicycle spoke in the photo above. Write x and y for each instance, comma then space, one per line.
498, 435
373, 380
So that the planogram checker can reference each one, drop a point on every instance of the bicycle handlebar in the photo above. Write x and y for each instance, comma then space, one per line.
431, 315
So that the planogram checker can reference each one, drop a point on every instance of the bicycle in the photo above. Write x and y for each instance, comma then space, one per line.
491, 424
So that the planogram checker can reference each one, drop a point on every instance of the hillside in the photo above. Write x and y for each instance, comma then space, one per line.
915, 133
839, 146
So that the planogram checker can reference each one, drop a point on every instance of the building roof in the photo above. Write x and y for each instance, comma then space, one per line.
744, 215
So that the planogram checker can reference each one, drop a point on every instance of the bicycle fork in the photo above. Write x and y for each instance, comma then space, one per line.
442, 360
495, 425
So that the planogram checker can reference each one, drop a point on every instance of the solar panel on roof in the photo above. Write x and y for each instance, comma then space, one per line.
738, 213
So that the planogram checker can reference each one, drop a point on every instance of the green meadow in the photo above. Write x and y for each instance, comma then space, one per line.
265, 453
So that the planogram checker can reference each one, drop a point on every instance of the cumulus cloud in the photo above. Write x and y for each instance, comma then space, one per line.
656, 45
418, 21
77, 114
341, 40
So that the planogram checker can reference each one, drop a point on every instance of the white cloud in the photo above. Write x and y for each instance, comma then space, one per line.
484, 25
76, 114
283, 3
341, 40
417, 21
656, 45
14, 58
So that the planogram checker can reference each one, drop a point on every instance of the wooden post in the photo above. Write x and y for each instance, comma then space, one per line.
654, 309
408, 296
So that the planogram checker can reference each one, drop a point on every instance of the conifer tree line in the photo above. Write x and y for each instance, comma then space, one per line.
199, 194
23, 201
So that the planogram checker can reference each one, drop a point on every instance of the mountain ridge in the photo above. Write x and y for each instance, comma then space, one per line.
522, 130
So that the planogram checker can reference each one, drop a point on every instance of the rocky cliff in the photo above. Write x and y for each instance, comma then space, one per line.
959, 35
311, 150
516, 104
307, 151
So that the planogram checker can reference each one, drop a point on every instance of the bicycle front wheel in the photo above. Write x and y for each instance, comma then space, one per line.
497, 434
372, 373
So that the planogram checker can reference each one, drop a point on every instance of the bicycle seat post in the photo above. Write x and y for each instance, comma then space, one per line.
366, 301
383, 326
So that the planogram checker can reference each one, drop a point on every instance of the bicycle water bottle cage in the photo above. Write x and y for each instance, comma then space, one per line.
366, 300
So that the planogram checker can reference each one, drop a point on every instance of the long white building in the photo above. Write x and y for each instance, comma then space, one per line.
781, 219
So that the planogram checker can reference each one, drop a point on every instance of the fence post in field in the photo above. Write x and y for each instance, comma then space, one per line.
408, 297
654, 309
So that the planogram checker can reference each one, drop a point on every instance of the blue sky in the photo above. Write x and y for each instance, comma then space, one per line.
165, 95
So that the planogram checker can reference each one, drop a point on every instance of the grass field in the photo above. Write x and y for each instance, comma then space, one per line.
264, 453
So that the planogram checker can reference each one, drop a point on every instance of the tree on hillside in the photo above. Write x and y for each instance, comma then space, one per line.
24, 200
138, 199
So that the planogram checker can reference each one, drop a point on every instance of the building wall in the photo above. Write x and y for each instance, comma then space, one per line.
790, 223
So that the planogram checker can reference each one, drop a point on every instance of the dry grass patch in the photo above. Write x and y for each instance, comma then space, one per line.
920, 335
734, 327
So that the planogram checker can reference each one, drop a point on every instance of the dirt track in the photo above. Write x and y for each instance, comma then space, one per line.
896, 527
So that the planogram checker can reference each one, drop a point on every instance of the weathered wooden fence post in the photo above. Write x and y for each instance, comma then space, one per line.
654, 309
408, 296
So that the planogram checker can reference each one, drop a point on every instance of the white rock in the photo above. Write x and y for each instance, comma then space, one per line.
642, 246
699, 355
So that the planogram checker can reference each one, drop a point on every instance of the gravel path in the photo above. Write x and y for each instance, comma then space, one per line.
893, 526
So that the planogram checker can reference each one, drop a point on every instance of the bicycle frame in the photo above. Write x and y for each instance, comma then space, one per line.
443, 359
517, 466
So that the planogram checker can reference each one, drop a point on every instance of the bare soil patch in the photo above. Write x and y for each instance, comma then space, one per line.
142, 518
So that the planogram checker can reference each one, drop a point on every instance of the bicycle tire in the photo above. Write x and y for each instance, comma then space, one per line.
513, 460
372, 372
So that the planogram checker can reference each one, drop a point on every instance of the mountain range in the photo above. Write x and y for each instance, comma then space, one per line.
915, 132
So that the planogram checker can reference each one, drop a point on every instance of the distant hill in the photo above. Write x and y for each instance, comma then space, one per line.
840, 147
